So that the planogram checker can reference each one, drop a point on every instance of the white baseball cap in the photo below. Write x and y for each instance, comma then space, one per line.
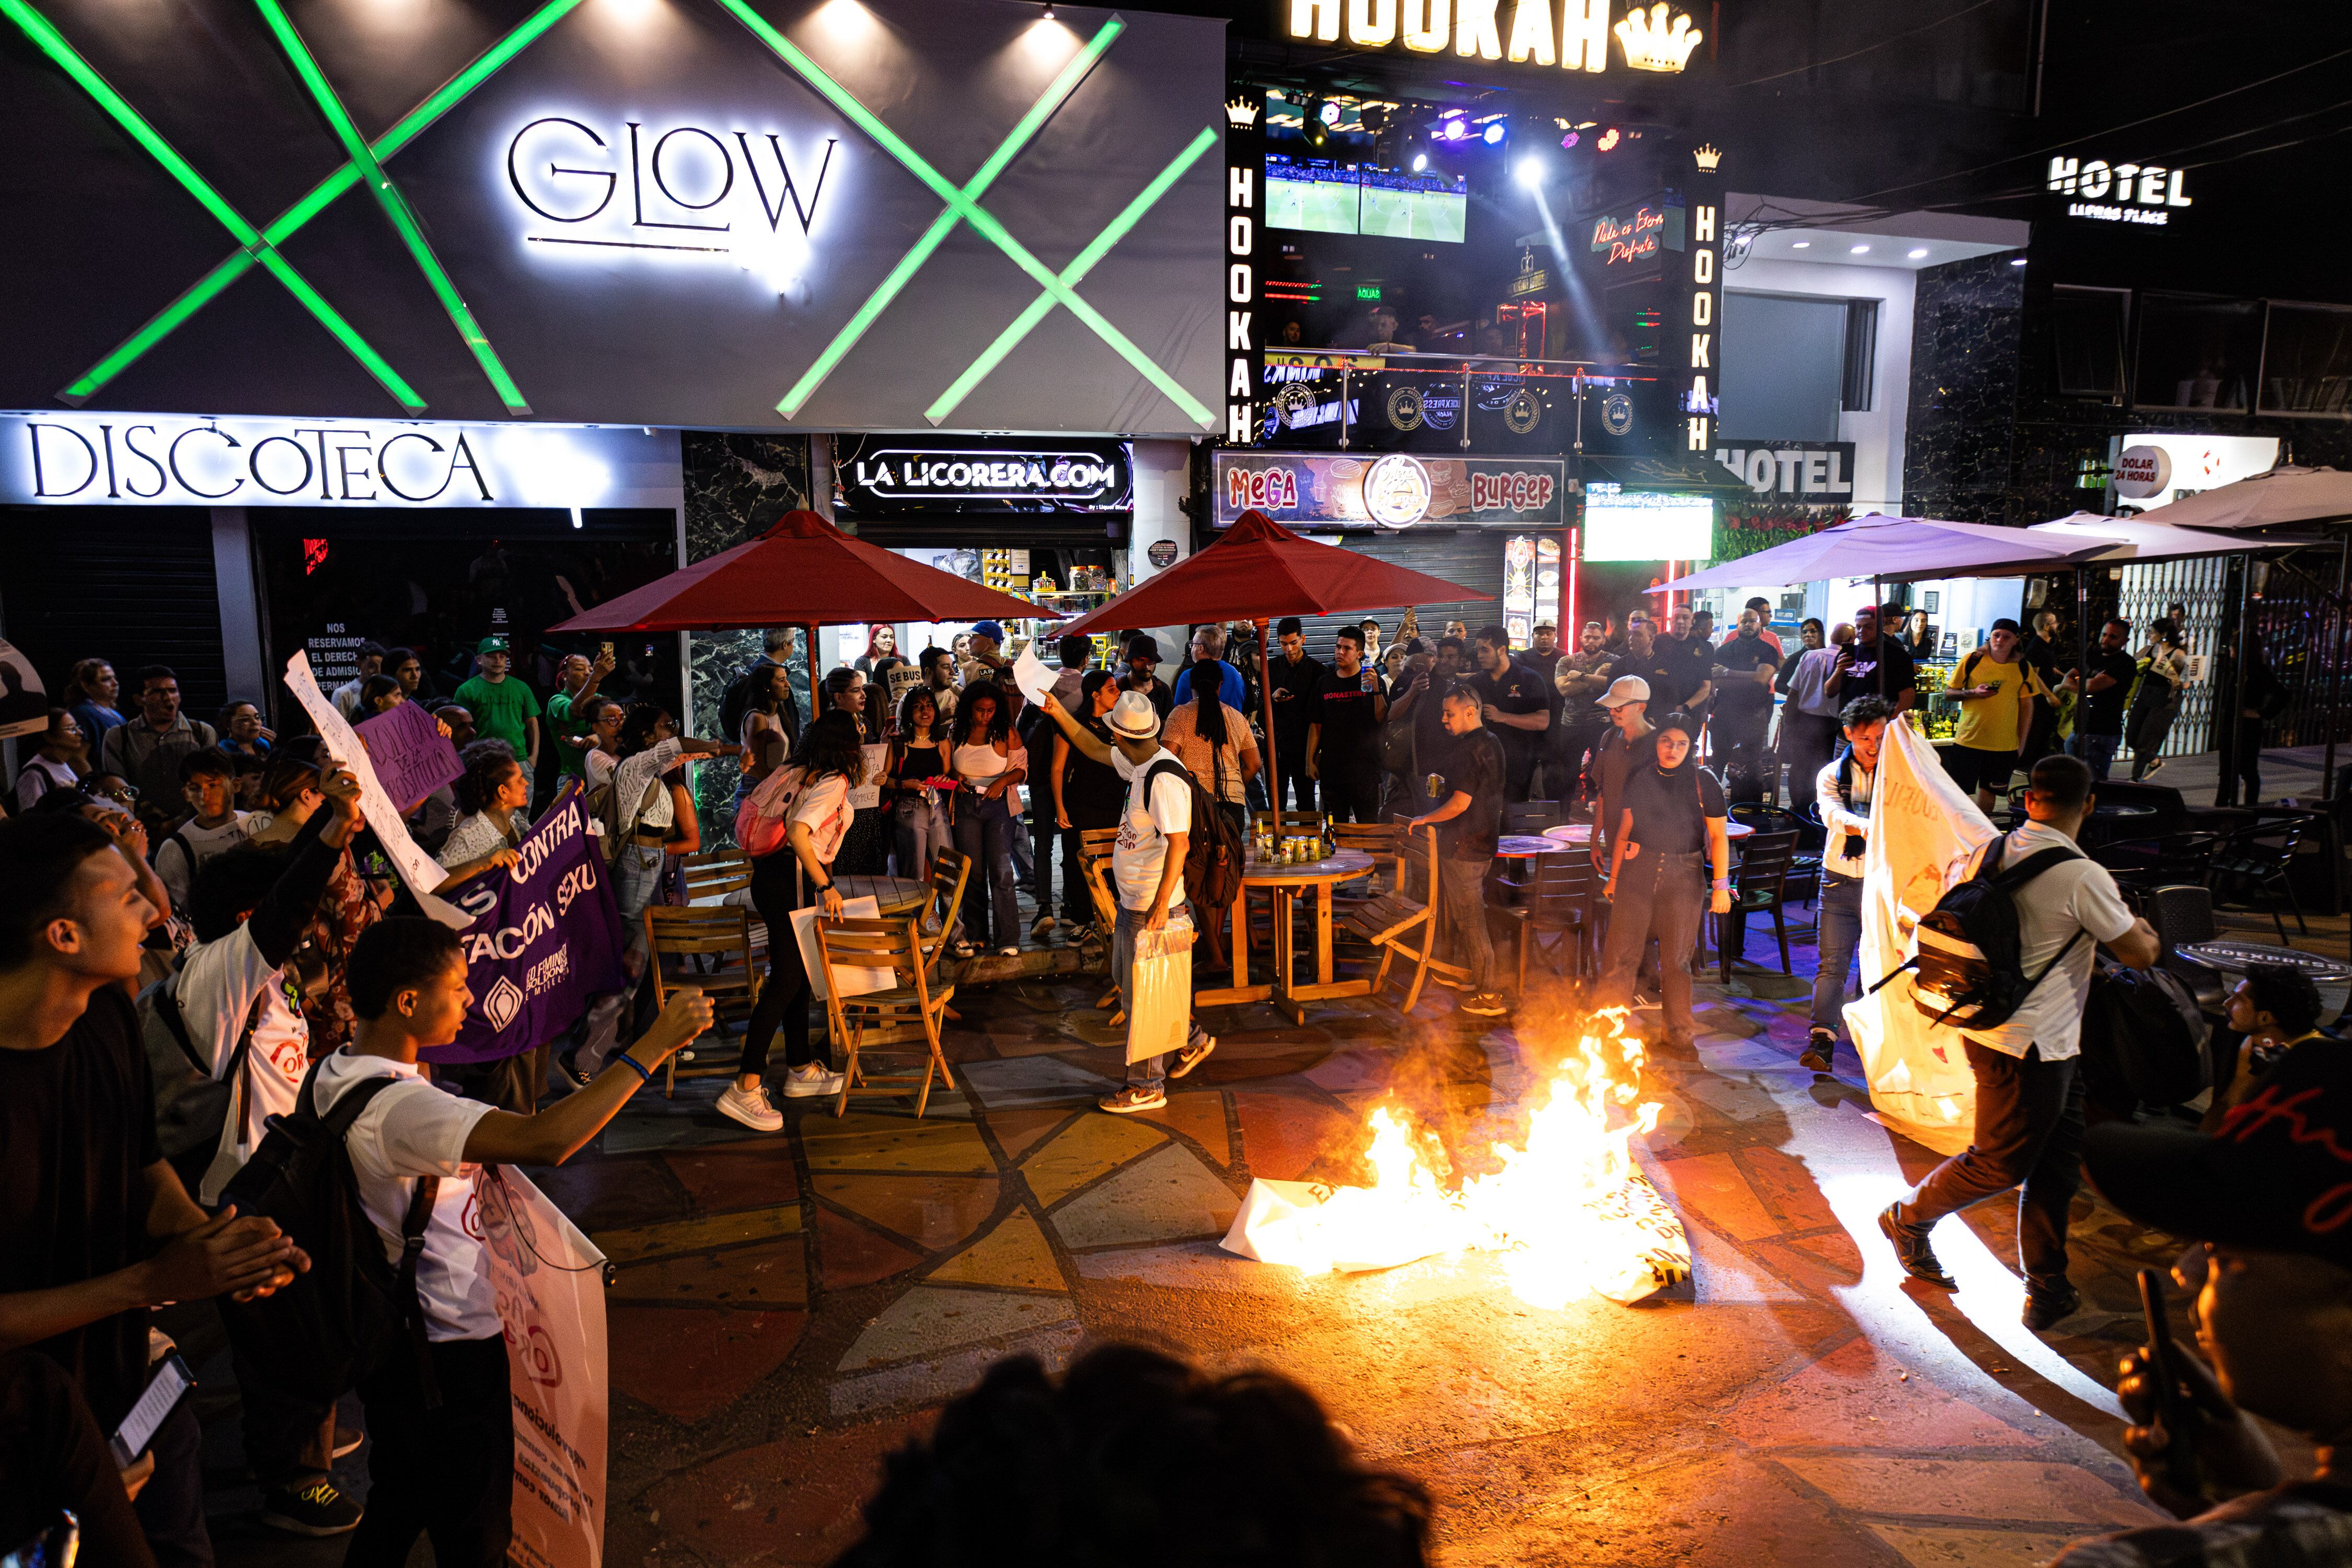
1134, 717
1624, 690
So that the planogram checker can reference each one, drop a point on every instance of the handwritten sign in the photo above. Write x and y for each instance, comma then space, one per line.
412, 758
419, 871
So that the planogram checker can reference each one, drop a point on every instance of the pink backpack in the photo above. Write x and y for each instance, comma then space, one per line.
761, 826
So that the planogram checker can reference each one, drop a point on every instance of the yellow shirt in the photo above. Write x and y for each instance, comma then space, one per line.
1990, 723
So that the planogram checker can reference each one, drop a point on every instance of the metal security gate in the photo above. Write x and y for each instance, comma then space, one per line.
133, 585
2198, 585
1472, 557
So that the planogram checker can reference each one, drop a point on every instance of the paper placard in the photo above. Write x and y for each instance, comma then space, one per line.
854, 981
868, 795
419, 871
412, 756
1031, 677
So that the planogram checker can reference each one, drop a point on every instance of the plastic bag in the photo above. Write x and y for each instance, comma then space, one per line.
1160, 990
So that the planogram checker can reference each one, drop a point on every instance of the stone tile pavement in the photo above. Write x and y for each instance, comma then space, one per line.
790, 1308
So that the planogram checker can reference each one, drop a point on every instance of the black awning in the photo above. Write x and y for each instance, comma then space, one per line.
1689, 471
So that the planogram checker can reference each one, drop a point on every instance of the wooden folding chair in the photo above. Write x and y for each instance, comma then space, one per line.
1095, 846
935, 921
720, 932
910, 1010
1292, 822
1398, 925
1383, 841
713, 874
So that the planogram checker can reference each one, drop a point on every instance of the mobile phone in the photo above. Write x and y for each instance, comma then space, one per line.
164, 1391
604, 650
2173, 1408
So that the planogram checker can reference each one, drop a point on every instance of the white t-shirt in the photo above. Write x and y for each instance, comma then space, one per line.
824, 806
41, 775
218, 983
172, 862
639, 807
2073, 895
1143, 827
473, 838
409, 1130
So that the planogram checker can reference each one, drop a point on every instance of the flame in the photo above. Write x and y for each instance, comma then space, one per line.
1566, 1210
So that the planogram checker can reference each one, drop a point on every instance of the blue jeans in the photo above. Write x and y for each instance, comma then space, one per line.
983, 830
1840, 935
1151, 1072
921, 829
2098, 750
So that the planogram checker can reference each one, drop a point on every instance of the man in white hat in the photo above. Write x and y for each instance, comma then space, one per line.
1621, 751
1147, 865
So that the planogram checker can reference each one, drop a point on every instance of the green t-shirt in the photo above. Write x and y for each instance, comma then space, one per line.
571, 761
500, 709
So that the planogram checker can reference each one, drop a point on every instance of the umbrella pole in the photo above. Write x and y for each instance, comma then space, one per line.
1878, 619
2335, 670
2082, 646
816, 680
1266, 701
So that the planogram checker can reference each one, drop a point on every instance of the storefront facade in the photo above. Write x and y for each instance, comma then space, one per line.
586, 224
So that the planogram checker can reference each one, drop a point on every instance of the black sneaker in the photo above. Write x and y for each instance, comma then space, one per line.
2045, 1313
1192, 1055
1912, 1249
1816, 1054
315, 1507
1483, 1005
347, 1441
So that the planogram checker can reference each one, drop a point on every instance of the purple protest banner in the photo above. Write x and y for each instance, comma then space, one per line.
545, 940
412, 758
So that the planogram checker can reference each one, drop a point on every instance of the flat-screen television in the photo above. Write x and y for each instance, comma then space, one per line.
1402, 204
1317, 194
1646, 525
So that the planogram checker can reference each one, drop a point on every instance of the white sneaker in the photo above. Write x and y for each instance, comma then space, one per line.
1008, 953
805, 1082
750, 1107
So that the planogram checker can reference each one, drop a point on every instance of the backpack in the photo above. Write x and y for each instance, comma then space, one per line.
2144, 1038
191, 1105
318, 1336
603, 807
762, 826
738, 700
1213, 850
1970, 957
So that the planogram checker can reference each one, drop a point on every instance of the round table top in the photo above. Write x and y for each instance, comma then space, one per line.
2236, 955
1520, 846
1337, 867
1581, 832
895, 895
2122, 808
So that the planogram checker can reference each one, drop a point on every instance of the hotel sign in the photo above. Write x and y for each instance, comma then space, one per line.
2119, 193
1572, 35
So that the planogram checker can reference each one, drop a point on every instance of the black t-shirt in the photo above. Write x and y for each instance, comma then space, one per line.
1430, 741
1662, 675
1670, 814
1475, 766
1862, 680
1163, 695
2047, 662
1687, 664
1516, 691
1092, 792
1343, 707
1293, 713
2103, 710
77, 1135
1737, 695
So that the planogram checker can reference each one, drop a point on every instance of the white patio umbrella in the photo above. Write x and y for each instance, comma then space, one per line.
2137, 539
2284, 495
1894, 550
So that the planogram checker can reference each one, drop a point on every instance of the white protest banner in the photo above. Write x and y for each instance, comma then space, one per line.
23, 701
419, 871
868, 795
1922, 833
854, 981
548, 1283
1029, 674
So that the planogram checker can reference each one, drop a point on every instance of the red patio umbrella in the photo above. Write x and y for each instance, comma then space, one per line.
803, 572
1260, 570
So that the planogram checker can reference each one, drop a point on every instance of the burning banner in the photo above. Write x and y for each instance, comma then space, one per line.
1566, 1211
1922, 833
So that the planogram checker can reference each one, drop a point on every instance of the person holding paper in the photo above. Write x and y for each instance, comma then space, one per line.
989, 771
812, 797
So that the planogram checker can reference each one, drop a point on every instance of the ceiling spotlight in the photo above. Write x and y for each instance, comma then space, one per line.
1609, 139
1529, 173
1918, 255
1049, 11
2019, 262
1570, 140
1420, 162
1495, 134
1329, 113
1860, 251
1455, 130
1800, 245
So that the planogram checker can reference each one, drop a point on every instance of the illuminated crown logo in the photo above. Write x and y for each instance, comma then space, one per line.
1706, 157
1650, 45
1240, 111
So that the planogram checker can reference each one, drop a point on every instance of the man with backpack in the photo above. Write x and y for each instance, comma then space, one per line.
95, 1228
435, 1389
2020, 980
1165, 806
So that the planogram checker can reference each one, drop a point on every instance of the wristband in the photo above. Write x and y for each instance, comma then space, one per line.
644, 1073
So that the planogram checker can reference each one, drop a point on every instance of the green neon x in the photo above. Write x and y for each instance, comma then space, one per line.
257, 246
1080, 265
963, 206
287, 224
394, 204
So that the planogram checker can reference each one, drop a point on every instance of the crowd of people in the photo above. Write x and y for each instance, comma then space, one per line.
202, 940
